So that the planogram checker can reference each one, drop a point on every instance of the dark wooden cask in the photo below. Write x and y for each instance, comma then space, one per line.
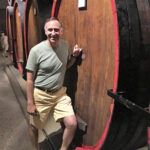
114, 36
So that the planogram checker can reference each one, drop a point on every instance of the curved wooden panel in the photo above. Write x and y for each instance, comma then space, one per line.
10, 34
18, 34
9, 29
36, 12
91, 29
32, 20
95, 29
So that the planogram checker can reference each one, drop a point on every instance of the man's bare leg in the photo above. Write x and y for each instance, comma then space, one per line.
33, 132
69, 131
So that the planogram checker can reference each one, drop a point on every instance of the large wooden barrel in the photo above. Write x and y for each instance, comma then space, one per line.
18, 26
114, 36
36, 12
9, 30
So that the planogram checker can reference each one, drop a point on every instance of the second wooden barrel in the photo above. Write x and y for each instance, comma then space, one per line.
36, 12
114, 36
18, 24
9, 29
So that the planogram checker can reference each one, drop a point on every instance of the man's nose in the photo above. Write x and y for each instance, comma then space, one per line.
53, 32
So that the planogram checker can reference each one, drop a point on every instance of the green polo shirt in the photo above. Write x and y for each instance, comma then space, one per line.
49, 64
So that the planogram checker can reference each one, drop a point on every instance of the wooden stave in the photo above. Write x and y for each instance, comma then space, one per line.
9, 30
18, 24
135, 57
9, 12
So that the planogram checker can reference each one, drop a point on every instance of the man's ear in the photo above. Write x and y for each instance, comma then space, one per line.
44, 31
61, 31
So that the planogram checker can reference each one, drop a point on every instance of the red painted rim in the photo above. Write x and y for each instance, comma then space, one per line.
53, 8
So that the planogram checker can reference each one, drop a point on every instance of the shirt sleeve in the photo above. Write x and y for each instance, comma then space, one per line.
32, 61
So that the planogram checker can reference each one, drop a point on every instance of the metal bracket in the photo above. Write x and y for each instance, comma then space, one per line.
127, 103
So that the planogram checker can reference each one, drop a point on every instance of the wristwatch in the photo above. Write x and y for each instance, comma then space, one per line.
73, 56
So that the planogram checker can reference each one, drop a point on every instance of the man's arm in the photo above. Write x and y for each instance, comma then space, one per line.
71, 62
31, 108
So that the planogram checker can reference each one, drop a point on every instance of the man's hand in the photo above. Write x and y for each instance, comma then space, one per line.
74, 55
31, 109
76, 51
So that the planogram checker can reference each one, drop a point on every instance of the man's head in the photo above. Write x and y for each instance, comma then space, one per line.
53, 30
2, 33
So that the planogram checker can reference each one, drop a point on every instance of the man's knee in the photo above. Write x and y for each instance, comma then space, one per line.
73, 124
70, 122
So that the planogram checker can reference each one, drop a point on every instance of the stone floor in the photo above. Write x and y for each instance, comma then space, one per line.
144, 148
13, 126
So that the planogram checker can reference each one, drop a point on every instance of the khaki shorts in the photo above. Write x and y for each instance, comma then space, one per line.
58, 103
5, 47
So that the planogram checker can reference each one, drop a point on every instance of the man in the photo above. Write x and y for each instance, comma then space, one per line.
46, 68
4, 43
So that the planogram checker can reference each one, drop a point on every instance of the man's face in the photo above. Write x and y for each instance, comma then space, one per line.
52, 31
2, 34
